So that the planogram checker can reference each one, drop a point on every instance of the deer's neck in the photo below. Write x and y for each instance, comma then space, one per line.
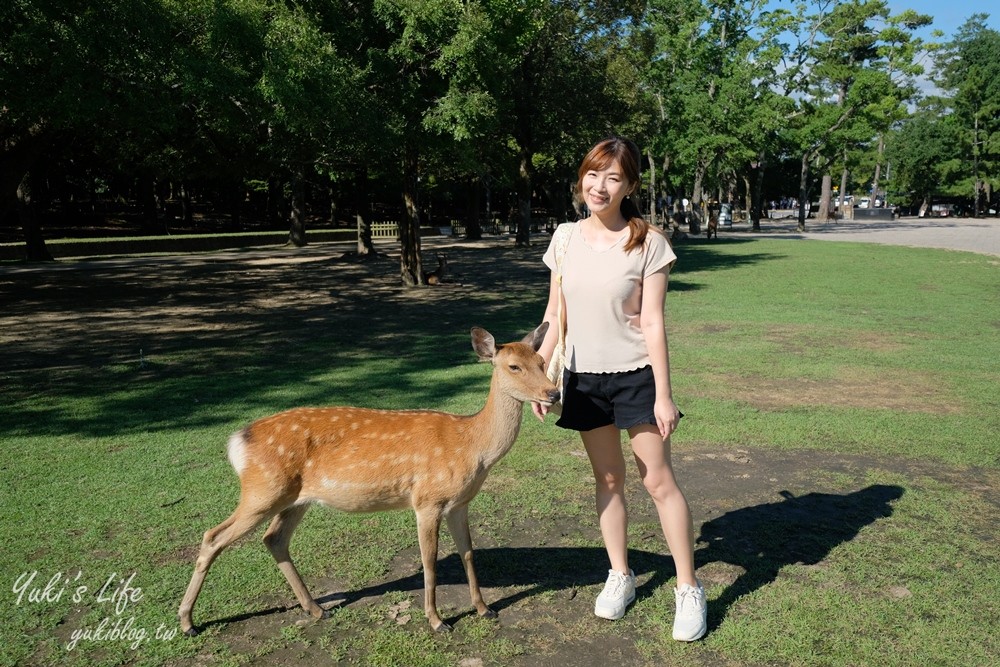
496, 426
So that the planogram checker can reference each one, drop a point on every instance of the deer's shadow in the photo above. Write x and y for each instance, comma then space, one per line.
759, 540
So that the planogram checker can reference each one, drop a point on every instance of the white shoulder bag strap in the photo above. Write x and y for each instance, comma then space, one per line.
558, 361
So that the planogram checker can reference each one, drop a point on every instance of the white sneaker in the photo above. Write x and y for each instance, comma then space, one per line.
618, 593
691, 620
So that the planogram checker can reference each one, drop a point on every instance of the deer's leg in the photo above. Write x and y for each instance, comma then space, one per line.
241, 522
428, 525
458, 524
277, 537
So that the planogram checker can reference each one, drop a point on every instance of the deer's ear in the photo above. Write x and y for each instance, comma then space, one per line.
535, 338
484, 344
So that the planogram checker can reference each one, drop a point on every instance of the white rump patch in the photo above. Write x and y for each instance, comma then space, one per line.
237, 451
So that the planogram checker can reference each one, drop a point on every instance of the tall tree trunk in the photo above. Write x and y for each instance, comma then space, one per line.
297, 217
410, 269
803, 191
524, 173
695, 214
758, 193
878, 170
35, 250
748, 202
274, 203
652, 188
147, 200
473, 230
187, 214
825, 198
332, 211
362, 212
236, 196
844, 175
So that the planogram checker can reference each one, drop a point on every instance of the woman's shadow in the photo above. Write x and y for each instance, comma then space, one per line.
762, 539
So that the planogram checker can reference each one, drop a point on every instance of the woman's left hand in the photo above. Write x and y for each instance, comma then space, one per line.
667, 416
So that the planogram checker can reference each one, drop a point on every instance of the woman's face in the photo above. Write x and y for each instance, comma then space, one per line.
603, 190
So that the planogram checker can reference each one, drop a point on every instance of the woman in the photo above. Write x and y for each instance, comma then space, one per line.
614, 282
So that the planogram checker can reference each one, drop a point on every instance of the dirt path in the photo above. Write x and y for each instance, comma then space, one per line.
968, 234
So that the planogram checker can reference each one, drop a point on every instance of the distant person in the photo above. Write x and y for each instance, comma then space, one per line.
614, 274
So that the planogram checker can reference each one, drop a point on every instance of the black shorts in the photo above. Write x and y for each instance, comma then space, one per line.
592, 400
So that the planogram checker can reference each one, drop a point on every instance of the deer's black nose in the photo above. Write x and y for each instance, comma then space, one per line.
553, 395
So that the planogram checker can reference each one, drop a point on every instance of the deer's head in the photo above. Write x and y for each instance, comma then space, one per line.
517, 367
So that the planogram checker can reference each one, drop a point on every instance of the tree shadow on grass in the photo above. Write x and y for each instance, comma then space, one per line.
760, 540
153, 344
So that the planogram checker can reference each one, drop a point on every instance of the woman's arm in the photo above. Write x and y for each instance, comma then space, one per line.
654, 292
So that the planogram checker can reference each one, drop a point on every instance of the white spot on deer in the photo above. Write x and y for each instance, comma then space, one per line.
281, 450
309, 463
270, 440
295, 426
237, 451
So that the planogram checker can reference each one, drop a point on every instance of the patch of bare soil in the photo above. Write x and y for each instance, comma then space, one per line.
755, 510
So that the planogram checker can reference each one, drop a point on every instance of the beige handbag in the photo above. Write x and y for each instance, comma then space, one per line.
558, 361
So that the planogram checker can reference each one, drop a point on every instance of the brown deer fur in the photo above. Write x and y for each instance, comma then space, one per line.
362, 460
436, 277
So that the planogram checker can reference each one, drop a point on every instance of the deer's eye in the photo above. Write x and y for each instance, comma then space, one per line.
514, 368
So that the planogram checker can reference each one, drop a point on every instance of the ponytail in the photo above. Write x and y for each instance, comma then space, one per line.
638, 227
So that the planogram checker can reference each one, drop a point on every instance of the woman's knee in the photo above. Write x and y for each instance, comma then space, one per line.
611, 481
661, 485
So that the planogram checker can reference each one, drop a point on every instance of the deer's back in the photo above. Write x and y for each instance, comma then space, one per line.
358, 459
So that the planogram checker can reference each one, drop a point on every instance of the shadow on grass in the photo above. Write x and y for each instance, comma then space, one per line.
106, 348
761, 540
699, 254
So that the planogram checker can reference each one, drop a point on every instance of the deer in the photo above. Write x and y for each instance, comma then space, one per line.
367, 460
712, 228
436, 277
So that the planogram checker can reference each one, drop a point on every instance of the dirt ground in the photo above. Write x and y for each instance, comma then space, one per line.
59, 320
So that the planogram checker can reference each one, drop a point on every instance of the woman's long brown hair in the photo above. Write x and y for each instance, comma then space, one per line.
627, 154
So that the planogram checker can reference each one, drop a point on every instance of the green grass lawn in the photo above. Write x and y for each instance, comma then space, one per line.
886, 359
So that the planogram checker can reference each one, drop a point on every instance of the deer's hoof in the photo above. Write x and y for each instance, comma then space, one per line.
444, 627
191, 632
489, 613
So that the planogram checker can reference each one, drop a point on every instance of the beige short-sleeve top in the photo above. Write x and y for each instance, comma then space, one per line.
603, 292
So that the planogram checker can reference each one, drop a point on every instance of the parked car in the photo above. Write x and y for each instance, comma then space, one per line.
726, 215
942, 210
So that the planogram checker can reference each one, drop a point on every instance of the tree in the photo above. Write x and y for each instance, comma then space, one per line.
968, 69
538, 80
74, 72
926, 153
852, 69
